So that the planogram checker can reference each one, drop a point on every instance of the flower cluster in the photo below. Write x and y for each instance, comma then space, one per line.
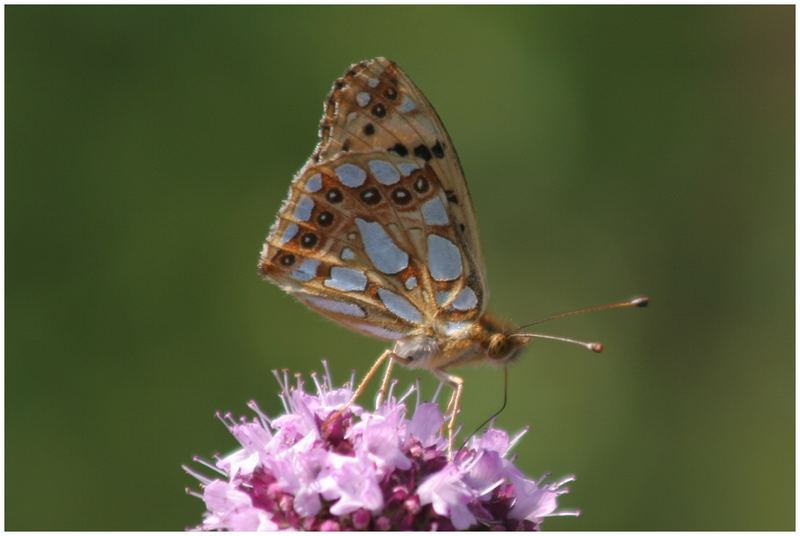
314, 469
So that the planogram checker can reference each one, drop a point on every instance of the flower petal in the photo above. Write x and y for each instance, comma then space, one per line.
426, 423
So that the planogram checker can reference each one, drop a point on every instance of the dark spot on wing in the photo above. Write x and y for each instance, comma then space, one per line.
423, 152
371, 196
334, 195
401, 196
379, 110
400, 149
309, 240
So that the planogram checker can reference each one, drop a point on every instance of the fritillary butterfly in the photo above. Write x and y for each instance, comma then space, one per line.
379, 234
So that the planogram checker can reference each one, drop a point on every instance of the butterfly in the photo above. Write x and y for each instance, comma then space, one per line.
379, 234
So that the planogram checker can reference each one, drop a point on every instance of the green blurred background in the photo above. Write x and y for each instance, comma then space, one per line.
610, 152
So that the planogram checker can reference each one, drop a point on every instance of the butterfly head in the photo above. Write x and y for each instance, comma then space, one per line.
505, 348
502, 342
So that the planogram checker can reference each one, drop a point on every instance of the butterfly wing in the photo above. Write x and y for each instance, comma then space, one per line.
376, 106
378, 231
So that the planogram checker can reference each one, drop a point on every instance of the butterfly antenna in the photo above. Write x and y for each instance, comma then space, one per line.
493, 415
595, 347
639, 301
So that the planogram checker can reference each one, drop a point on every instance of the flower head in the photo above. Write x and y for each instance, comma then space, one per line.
364, 470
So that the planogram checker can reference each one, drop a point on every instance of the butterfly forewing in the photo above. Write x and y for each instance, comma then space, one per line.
378, 231
376, 106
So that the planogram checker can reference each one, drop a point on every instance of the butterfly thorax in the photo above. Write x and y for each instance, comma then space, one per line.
487, 340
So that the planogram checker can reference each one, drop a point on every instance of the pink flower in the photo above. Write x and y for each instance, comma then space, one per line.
366, 470
233, 509
351, 483
450, 496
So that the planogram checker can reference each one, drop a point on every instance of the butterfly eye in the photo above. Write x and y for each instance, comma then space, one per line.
401, 196
421, 185
325, 218
499, 346
371, 196
334, 195
309, 240
287, 260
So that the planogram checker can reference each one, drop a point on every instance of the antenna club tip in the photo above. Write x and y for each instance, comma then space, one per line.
596, 347
640, 301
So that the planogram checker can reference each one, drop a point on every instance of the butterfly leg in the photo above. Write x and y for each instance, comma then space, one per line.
385, 382
362, 386
453, 407
387, 354
448, 409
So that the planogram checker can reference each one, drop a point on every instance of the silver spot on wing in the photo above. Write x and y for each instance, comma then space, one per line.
406, 105
314, 183
400, 306
433, 212
465, 300
406, 168
345, 308
384, 172
444, 259
378, 331
288, 233
351, 175
346, 279
381, 250
303, 209
451, 328
307, 270
362, 98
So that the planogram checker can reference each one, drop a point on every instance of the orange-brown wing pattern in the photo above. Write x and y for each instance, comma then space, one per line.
378, 232
376, 106
366, 239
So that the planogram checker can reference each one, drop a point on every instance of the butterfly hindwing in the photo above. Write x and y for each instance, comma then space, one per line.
367, 239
